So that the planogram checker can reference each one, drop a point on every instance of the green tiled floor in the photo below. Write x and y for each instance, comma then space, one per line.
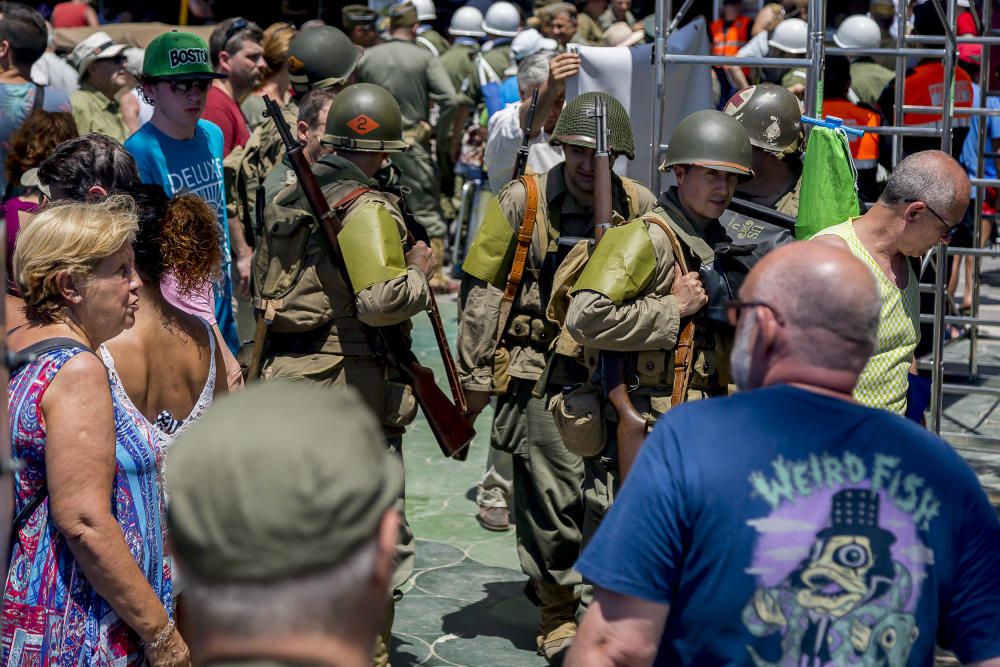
464, 605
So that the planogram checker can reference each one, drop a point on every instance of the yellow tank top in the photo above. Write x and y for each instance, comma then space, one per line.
884, 380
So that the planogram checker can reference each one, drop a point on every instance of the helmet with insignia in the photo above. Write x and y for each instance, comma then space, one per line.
365, 117
771, 116
323, 57
577, 127
713, 140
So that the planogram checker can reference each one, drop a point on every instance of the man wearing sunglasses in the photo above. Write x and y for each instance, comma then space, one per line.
180, 150
922, 205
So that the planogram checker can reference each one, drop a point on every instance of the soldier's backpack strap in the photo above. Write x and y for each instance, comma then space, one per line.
524, 235
684, 353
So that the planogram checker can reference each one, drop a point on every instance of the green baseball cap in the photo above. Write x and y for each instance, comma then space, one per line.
280, 480
178, 55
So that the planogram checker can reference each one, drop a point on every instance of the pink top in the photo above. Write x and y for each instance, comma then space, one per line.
200, 303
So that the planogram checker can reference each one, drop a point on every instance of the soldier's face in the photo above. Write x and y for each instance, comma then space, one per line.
310, 136
705, 192
579, 169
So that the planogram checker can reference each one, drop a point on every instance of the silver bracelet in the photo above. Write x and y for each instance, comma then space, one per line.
162, 636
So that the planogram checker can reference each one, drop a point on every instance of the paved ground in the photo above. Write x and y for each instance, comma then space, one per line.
465, 606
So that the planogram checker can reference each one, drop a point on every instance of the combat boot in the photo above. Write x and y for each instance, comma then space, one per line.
439, 282
558, 629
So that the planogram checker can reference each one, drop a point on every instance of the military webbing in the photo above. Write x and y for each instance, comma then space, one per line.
684, 352
524, 234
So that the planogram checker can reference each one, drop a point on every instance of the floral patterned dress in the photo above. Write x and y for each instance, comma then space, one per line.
51, 614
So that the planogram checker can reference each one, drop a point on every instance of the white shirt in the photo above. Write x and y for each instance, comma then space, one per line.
51, 70
504, 136
756, 47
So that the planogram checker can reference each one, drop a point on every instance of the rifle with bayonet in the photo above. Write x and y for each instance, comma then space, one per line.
446, 419
521, 162
631, 429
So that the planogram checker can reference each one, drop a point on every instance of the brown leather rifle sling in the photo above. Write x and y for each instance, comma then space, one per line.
684, 352
524, 235
265, 310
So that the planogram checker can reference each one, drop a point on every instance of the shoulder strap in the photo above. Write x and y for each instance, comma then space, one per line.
524, 235
350, 197
39, 102
684, 352
426, 43
32, 352
23, 516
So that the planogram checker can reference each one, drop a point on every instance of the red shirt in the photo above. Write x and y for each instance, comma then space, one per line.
69, 15
222, 110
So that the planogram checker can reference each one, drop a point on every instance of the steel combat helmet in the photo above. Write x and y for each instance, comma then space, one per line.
577, 127
365, 117
771, 116
321, 58
713, 140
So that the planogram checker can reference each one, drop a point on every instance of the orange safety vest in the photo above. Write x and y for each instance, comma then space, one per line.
728, 41
925, 87
864, 149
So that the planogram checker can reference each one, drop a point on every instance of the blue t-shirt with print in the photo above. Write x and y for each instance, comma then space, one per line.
16, 102
785, 527
192, 165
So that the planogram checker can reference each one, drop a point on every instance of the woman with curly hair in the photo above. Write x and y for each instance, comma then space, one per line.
170, 365
30, 144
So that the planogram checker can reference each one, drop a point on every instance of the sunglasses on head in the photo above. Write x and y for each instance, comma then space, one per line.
182, 87
238, 24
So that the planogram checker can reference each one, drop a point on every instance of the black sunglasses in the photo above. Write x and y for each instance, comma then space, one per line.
184, 86
950, 230
238, 24
735, 308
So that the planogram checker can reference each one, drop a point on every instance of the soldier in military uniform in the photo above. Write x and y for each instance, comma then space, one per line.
427, 36
359, 23
501, 22
773, 120
317, 332
547, 477
633, 297
319, 59
414, 77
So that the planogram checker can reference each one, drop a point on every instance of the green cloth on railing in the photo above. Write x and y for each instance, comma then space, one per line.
828, 194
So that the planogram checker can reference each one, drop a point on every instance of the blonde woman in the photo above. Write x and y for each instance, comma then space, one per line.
88, 583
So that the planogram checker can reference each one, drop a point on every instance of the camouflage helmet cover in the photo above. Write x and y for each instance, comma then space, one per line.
577, 127
771, 116
365, 117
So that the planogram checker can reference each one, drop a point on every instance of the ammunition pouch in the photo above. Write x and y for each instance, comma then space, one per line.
399, 405
501, 371
579, 417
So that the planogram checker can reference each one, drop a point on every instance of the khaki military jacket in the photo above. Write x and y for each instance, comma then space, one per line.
499, 58
433, 41
94, 112
561, 222
412, 75
262, 152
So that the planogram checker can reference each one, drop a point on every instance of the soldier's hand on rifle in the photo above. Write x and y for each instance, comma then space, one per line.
477, 401
421, 257
688, 291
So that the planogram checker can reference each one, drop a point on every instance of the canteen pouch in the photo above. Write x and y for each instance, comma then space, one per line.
399, 405
518, 330
579, 419
501, 371
650, 366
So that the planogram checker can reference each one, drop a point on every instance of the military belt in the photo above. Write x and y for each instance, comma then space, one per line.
321, 340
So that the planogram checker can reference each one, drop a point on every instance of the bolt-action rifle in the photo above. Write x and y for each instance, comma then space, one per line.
446, 419
631, 431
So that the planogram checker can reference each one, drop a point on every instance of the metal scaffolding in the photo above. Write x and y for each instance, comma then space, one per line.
907, 46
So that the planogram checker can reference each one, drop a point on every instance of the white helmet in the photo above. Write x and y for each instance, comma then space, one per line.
858, 32
502, 19
425, 10
467, 22
790, 36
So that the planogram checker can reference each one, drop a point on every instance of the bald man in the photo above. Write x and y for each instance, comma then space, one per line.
923, 204
825, 533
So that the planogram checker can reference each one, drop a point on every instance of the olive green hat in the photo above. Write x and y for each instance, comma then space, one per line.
352, 15
711, 139
281, 480
365, 117
576, 125
771, 116
402, 15
322, 57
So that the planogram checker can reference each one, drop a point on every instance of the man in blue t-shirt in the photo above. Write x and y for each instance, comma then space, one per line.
789, 525
182, 152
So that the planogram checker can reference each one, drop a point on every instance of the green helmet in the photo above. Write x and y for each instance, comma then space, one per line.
577, 127
771, 116
321, 58
365, 117
710, 139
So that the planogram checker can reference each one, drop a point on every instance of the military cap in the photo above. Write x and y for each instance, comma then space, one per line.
352, 15
402, 15
281, 480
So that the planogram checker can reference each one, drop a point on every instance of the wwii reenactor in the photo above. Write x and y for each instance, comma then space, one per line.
360, 23
640, 302
319, 59
415, 78
504, 343
427, 36
317, 329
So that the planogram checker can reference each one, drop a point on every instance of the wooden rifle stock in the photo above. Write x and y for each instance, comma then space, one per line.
631, 431
448, 424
